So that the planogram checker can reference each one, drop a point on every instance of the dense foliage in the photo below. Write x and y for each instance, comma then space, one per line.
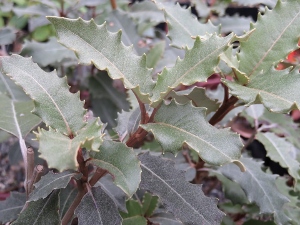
151, 112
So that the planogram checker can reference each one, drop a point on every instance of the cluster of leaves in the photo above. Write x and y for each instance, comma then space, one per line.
154, 89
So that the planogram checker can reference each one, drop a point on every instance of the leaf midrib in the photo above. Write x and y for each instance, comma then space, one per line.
197, 137
277, 39
48, 94
174, 191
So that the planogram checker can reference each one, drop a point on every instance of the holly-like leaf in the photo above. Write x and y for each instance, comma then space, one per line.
197, 96
279, 150
279, 39
178, 124
66, 198
43, 211
60, 151
54, 103
96, 207
199, 63
267, 89
185, 200
182, 31
121, 162
11, 207
259, 187
47, 53
16, 117
92, 43
50, 182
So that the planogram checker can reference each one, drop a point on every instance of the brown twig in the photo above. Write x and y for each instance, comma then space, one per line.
143, 109
30, 168
36, 176
97, 175
113, 4
223, 110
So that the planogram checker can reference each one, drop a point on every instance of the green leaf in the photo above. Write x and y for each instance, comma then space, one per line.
259, 187
98, 46
279, 38
197, 96
185, 200
54, 103
149, 204
155, 54
16, 118
178, 124
134, 209
43, 211
181, 31
96, 207
66, 198
199, 63
121, 162
60, 151
270, 3
279, 150
47, 53
50, 182
136, 220
11, 207
267, 89
164, 219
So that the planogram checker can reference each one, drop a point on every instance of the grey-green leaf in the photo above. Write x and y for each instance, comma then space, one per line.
97, 208
178, 124
267, 88
43, 211
11, 207
16, 117
92, 43
185, 200
54, 103
48, 53
183, 30
197, 96
278, 38
282, 151
259, 187
50, 182
120, 161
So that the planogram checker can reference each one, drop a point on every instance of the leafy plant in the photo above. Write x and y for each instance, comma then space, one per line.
176, 145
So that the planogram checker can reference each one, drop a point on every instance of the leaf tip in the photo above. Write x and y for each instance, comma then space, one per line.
240, 165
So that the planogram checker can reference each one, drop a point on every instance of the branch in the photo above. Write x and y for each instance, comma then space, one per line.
113, 4
223, 110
